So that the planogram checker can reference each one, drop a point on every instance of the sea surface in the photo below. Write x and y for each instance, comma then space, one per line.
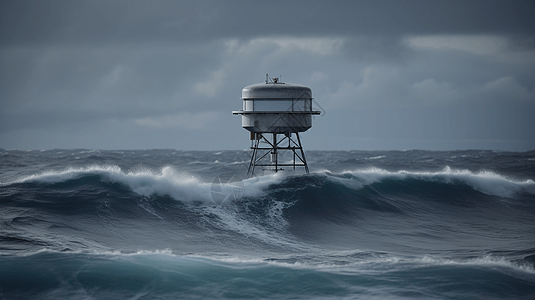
169, 224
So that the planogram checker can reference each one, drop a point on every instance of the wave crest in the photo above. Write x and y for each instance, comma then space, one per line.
484, 181
187, 187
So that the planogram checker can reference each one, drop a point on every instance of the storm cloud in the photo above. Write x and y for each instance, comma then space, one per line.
167, 74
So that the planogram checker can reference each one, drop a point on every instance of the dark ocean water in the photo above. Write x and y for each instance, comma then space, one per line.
157, 224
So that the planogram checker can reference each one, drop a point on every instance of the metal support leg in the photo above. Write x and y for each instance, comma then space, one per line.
259, 158
252, 163
274, 153
302, 152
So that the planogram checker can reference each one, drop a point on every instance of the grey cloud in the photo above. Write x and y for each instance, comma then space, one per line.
54, 86
125, 73
83, 22
80, 73
378, 49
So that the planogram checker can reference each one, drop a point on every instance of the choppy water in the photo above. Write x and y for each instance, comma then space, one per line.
87, 224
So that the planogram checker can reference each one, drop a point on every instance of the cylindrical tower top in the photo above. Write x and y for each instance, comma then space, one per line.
276, 90
276, 107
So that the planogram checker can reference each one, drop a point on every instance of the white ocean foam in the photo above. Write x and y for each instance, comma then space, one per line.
483, 181
255, 186
376, 157
186, 187
182, 185
374, 263
99, 252
271, 231
371, 264
484, 261
65, 174
144, 181
167, 181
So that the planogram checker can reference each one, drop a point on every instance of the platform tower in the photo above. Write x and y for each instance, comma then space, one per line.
275, 113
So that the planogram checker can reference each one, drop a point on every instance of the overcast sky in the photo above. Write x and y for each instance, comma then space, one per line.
392, 75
